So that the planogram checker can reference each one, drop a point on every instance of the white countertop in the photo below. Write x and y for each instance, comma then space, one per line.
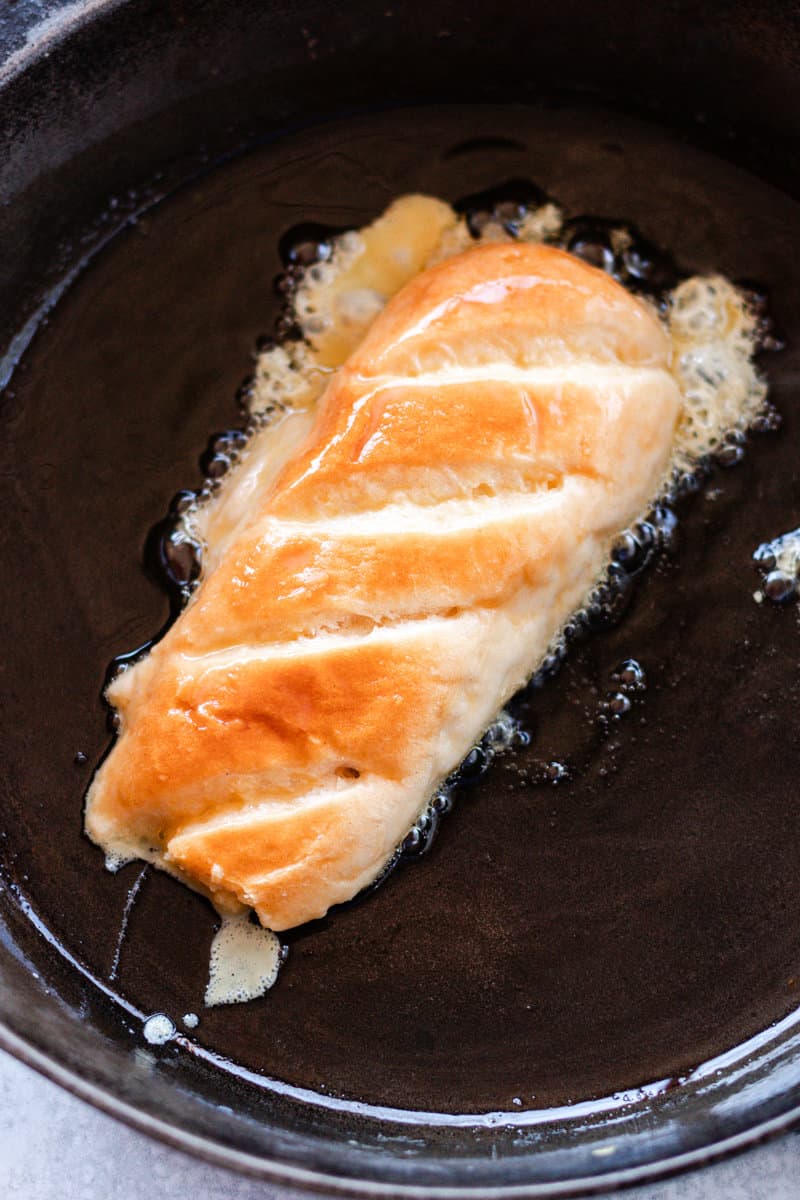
52, 1146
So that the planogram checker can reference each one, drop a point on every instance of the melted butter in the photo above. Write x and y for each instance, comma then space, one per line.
713, 341
713, 337
158, 1029
337, 301
244, 963
710, 325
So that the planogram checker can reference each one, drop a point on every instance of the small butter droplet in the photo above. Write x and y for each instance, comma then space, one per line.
244, 962
158, 1029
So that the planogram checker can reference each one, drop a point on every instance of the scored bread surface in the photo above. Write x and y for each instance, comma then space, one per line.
393, 582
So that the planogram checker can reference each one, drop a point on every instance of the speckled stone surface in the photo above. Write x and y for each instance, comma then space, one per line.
48, 1139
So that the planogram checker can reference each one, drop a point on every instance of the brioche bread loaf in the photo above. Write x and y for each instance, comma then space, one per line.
403, 574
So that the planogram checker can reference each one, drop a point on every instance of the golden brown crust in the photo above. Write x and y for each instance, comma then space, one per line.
507, 413
527, 301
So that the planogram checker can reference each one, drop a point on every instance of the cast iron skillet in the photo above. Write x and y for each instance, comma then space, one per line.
126, 100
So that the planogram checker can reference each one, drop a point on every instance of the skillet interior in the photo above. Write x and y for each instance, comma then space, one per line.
700, 952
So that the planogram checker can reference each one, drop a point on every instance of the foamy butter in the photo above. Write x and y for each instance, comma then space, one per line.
713, 338
708, 320
710, 326
244, 963
335, 302
118, 858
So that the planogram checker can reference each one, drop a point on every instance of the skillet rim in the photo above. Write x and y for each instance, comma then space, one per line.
320, 1183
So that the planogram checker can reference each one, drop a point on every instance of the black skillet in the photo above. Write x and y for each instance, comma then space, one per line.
581, 984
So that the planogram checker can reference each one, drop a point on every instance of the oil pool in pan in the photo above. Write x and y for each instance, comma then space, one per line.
572, 932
